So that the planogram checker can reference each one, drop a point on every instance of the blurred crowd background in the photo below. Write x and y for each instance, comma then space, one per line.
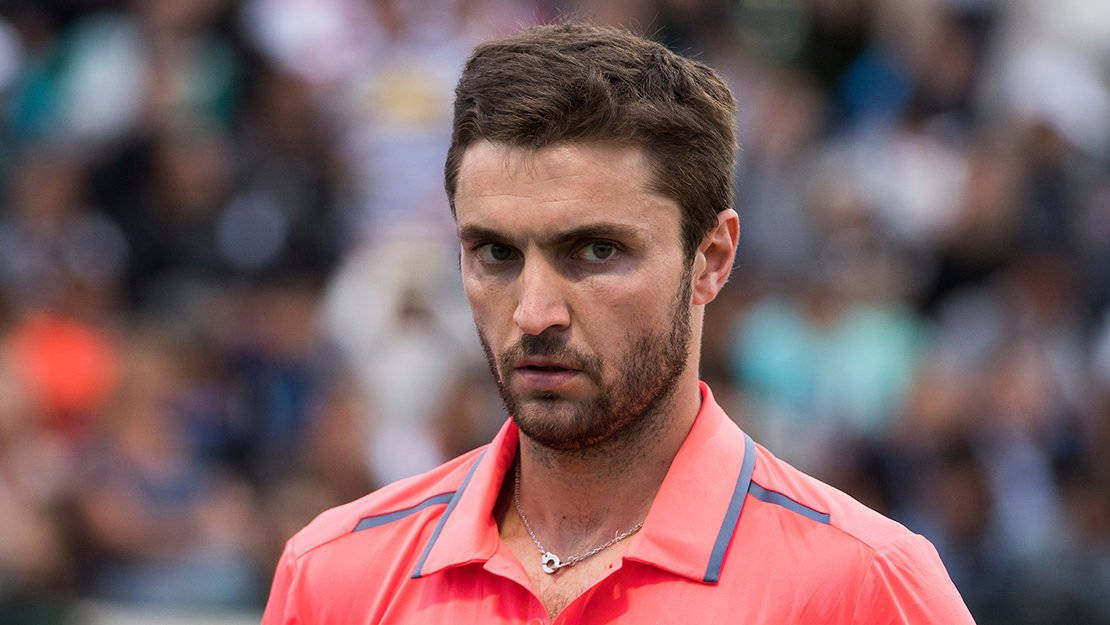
229, 296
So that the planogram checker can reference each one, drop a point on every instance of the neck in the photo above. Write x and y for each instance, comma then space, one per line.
583, 497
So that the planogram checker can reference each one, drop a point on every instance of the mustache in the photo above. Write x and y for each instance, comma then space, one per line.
549, 346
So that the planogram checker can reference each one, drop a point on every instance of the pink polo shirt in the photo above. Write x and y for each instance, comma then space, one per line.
734, 535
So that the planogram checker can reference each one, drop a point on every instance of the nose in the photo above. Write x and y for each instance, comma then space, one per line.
541, 305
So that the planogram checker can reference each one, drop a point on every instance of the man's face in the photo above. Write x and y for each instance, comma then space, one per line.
578, 282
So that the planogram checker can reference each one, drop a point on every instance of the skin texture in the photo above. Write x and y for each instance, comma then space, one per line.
570, 261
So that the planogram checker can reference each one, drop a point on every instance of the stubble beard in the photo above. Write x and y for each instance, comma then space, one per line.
647, 375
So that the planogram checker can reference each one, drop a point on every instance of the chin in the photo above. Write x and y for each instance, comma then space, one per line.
543, 408
562, 424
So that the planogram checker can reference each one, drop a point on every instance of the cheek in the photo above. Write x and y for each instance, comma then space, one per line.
611, 313
488, 305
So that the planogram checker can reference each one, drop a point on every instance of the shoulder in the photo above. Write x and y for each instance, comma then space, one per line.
779, 482
895, 575
323, 572
387, 505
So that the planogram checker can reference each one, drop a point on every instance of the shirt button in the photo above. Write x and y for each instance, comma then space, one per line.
536, 621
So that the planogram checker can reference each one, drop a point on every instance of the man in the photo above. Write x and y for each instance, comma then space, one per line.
590, 175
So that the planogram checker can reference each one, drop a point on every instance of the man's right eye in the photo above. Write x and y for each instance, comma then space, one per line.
494, 253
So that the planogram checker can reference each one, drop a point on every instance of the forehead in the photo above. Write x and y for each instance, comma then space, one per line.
513, 188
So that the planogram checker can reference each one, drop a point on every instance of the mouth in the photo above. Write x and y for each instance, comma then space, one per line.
545, 375
546, 366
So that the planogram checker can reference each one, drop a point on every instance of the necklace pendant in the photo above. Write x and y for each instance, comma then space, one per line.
550, 562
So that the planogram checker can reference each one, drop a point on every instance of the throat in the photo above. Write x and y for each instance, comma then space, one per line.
581, 497
575, 508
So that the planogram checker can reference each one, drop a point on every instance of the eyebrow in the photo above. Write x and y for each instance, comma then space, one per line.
602, 230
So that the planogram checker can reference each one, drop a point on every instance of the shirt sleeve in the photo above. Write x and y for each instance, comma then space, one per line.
906, 584
281, 608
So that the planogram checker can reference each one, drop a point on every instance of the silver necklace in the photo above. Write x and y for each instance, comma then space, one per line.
549, 561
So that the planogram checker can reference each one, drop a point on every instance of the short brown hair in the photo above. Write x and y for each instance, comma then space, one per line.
575, 82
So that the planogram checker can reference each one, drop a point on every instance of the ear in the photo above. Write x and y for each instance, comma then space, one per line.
714, 257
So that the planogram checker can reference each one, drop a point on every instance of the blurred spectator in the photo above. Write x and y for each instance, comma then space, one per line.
779, 226
54, 251
36, 473
157, 525
384, 72
835, 358
398, 314
966, 532
274, 364
69, 368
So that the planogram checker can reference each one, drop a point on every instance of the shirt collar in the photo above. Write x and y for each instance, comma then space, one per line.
688, 526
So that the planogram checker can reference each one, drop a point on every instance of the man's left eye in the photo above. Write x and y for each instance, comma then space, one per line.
597, 251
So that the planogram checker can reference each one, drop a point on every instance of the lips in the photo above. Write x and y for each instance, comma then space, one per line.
545, 375
539, 364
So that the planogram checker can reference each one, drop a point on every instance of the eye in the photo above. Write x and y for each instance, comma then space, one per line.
597, 251
494, 253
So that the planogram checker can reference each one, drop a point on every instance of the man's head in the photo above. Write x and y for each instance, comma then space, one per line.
590, 175
576, 83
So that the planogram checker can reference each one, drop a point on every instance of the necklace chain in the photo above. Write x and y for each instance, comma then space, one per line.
549, 561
